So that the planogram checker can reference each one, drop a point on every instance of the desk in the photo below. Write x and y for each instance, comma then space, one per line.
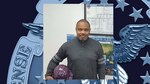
86, 81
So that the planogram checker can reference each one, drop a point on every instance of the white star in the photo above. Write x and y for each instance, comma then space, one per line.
136, 14
146, 78
40, 79
87, 1
121, 4
104, 1
146, 59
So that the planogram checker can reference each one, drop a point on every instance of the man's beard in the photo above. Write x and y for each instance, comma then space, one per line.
83, 38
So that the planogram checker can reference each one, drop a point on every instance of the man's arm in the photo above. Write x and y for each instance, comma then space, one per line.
101, 64
51, 66
60, 55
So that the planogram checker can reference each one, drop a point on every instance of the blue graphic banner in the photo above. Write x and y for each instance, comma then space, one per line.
22, 44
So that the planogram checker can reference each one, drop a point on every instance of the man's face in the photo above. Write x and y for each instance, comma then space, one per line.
82, 30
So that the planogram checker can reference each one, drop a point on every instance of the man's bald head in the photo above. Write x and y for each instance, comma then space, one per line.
83, 20
83, 29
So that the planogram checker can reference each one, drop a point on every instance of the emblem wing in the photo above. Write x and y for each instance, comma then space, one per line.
133, 38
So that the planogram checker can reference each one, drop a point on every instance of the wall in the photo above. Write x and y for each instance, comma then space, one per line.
59, 20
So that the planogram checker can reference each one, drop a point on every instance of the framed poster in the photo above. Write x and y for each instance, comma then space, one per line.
100, 18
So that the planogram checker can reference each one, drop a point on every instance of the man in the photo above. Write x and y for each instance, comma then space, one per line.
84, 55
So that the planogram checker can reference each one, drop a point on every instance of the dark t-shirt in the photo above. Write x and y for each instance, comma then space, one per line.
85, 59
